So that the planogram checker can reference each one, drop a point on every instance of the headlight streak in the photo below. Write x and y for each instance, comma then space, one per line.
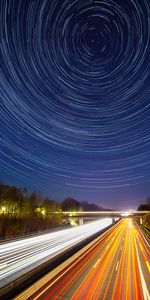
18, 256
113, 267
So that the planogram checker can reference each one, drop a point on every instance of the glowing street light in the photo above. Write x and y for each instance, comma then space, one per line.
43, 212
3, 209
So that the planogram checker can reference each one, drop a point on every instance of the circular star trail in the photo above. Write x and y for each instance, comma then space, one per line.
75, 95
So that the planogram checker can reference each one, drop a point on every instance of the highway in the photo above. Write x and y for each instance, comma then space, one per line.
21, 256
116, 266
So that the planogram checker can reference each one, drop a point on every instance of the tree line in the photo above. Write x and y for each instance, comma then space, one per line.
22, 212
146, 207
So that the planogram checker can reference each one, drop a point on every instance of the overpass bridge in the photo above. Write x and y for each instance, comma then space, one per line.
117, 213
84, 215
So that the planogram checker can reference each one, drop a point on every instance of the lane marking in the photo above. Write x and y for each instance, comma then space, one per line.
144, 286
96, 263
117, 265
148, 266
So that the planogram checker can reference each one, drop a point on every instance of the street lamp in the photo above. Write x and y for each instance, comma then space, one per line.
43, 212
3, 209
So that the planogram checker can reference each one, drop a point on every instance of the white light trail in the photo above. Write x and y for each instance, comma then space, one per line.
21, 256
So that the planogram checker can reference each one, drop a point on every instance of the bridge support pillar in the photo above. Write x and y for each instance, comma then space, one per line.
141, 221
113, 221
80, 222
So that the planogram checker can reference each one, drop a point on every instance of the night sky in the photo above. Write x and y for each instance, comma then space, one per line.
75, 99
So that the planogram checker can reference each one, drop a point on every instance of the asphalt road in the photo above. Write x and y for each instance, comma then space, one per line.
116, 266
22, 256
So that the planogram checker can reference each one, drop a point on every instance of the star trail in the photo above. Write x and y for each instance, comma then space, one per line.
75, 98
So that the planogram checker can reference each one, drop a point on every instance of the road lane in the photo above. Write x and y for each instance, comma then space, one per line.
115, 267
19, 257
